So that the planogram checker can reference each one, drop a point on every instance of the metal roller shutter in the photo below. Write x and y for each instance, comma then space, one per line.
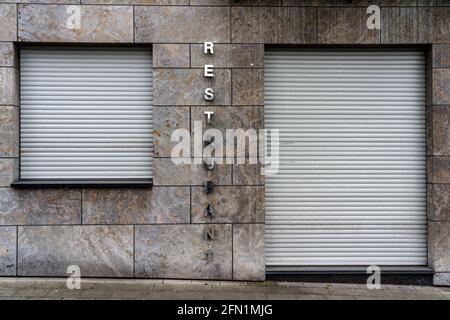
351, 187
86, 113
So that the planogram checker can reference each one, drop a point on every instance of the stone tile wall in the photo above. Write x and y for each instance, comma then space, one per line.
162, 231
438, 165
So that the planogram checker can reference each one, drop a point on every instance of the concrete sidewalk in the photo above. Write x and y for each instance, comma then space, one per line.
55, 288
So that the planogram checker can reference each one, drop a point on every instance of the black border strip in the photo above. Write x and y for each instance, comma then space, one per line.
108, 183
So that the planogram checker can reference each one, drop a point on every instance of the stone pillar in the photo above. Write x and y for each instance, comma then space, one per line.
9, 128
438, 166
178, 34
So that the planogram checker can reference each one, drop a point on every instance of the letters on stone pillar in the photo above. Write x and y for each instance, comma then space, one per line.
210, 233
209, 71
209, 255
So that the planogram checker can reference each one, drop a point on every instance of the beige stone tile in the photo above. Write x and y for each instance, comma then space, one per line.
97, 250
113, 24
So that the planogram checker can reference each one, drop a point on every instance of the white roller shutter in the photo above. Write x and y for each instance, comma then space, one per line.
351, 187
86, 113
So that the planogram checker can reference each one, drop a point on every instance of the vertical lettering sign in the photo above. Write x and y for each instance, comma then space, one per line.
209, 70
209, 232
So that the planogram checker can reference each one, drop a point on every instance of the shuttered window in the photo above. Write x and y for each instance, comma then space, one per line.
86, 113
351, 189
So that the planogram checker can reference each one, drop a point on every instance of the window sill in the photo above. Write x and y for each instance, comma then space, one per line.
74, 183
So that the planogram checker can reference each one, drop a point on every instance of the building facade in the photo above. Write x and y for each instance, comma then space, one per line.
364, 177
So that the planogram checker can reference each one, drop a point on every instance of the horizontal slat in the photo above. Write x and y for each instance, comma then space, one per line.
351, 185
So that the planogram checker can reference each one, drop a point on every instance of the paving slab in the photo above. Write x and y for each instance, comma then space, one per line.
64, 293
7, 292
168, 289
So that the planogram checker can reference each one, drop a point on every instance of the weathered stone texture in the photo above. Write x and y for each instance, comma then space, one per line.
8, 22
177, 34
166, 121
210, 2
187, 86
345, 25
273, 25
441, 56
8, 251
248, 174
9, 131
399, 25
99, 251
168, 173
228, 56
437, 29
439, 246
425, 25
7, 55
248, 87
441, 279
171, 55
248, 252
230, 204
438, 196
43, 1
433, 24
98, 24
139, 2
441, 130
39, 206
180, 251
438, 169
242, 117
433, 2
415, 25
9, 87
256, 2
134, 206
441, 24
246, 118
182, 24
441, 86
9, 171
233, 118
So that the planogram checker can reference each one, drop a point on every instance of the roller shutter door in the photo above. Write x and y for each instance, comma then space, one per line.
351, 187
86, 113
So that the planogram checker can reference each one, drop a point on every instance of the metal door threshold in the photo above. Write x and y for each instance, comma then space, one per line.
348, 270
398, 275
